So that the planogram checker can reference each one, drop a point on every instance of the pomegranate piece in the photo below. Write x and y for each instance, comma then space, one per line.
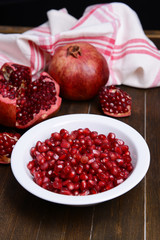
7, 142
115, 102
80, 163
24, 102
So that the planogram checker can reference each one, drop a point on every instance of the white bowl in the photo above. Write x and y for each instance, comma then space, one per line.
139, 152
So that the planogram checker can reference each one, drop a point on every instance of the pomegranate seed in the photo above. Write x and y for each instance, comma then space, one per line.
96, 153
31, 164
72, 174
124, 148
65, 144
56, 136
67, 170
39, 181
93, 191
111, 137
70, 186
118, 181
120, 162
75, 179
83, 185
45, 166
98, 141
64, 133
95, 165
57, 184
65, 191
84, 159
112, 156
80, 163
85, 193
91, 183
114, 171
83, 176
101, 184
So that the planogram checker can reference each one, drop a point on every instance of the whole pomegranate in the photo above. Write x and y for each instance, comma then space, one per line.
24, 102
79, 69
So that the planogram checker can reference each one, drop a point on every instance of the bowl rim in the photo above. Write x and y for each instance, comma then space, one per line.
27, 183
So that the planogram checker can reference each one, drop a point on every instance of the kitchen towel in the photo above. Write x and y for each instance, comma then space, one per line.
114, 29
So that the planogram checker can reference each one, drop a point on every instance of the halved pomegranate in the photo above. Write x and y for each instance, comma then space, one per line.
115, 102
24, 102
7, 142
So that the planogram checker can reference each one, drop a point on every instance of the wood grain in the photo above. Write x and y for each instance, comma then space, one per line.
153, 179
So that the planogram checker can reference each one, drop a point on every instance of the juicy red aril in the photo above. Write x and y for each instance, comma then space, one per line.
21, 73
39, 96
115, 102
80, 163
7, 142
12, 79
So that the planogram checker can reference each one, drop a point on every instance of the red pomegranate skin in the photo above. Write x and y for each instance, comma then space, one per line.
80, 77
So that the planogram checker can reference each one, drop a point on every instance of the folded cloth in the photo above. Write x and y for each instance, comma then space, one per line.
114, 29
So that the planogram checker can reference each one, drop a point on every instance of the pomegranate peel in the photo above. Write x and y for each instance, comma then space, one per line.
24, 102
7, 142
115, 102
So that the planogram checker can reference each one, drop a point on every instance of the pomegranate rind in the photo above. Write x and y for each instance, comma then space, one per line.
5, 160
7, 112
118, 115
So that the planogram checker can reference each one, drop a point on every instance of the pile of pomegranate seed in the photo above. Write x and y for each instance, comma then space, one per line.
82, 162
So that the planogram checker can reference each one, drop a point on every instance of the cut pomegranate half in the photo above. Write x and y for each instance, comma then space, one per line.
24, 102
115, 102
7, 142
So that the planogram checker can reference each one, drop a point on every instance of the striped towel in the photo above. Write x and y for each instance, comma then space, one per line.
114, 29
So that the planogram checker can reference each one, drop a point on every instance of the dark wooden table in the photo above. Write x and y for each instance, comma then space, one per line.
132, 216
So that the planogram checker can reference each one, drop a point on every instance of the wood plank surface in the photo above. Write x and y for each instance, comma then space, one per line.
132, 216
154, 34
153, 175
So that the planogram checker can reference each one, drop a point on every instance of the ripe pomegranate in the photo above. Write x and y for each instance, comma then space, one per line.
115, 102
7, 142
79, 69
24, 102
80, 162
